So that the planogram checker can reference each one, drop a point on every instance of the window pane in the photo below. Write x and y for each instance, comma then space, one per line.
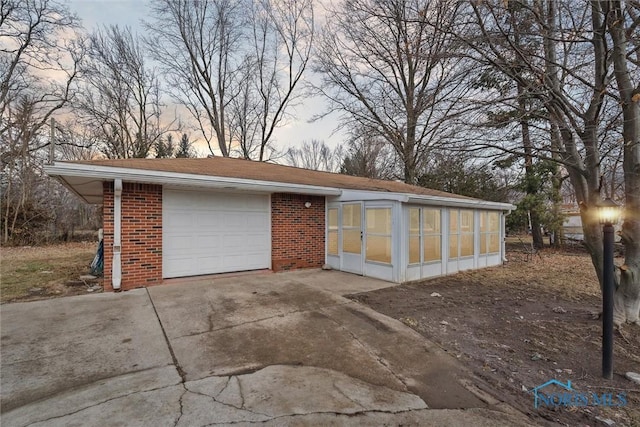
332, 242
483, 243
351, 241
431, 220
414, 249
414, 220
432, 248
333, 218
483, 221
466, 244
466, 221
379, 220
379, 248
351, 215
453, 246
494, 222
494, 242
453, 221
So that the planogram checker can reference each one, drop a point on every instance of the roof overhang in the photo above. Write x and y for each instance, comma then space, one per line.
459, 202
86, 181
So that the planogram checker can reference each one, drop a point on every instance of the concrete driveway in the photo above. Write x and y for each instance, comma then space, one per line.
280, 349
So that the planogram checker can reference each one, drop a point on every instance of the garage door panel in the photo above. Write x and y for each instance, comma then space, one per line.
257, 221
235, 242
213, 262
181, 266
207, 233
207, 220
231, 221
247, 261
258, 241
179, 221
208, 243
180, 243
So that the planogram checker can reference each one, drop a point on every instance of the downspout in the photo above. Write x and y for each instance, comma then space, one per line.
116, 267
503, 233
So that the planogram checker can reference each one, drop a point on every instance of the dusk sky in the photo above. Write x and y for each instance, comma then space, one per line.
131, 12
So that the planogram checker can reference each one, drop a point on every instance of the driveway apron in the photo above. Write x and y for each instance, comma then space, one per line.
278, 349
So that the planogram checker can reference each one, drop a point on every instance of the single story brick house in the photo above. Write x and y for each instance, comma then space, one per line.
169, 218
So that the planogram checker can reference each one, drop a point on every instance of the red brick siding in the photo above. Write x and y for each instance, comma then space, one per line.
297, 233
141, 253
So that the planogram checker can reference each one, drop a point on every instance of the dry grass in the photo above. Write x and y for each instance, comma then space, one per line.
41, 272
571, 275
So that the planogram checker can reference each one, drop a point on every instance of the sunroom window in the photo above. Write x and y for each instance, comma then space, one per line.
414, 235
351, 228
432, 234
466, 233
378, 222
489, 232
332, 231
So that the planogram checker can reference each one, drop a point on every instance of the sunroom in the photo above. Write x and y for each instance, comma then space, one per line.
403, 237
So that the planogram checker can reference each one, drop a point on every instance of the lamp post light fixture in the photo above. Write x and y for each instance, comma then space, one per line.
608, 213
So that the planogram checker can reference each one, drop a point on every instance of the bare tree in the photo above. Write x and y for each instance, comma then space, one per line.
315, 155
198, 45
282, 36
388, 66
40, 54
370, 156
585, 72
235, 66
121, 96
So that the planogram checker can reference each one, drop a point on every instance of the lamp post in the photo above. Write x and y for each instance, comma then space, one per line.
608, 216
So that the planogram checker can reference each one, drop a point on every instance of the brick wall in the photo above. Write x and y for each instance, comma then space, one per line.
141, 252
297, 233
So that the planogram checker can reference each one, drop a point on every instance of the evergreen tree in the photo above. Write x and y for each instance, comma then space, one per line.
165, 149
184, 148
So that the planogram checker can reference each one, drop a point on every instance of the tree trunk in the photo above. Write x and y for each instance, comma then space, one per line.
627, 295
531, 186
556, 186
626, 299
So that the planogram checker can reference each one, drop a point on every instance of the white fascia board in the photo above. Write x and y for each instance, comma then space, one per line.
109, 173
460, 203
356, 195
368, 195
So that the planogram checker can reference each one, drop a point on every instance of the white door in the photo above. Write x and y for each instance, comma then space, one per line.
208, 232
352, 233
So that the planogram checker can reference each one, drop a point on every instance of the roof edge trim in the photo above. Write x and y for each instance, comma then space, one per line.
62, 169
462, 203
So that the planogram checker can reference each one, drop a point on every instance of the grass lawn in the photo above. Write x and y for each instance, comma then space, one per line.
28, 273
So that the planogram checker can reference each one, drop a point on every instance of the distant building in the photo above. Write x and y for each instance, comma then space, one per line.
572, 224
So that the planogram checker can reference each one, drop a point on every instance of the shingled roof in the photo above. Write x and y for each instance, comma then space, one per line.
261, 171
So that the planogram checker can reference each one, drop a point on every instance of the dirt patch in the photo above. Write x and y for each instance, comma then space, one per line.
521, 325
31, 273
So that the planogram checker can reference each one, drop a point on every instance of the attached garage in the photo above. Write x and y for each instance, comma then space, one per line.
212, 232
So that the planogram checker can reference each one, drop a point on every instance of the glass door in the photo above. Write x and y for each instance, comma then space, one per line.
352, 260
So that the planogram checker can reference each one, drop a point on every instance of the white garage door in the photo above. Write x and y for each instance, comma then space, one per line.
206, 233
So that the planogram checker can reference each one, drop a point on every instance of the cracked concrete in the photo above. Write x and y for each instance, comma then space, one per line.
274, 349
